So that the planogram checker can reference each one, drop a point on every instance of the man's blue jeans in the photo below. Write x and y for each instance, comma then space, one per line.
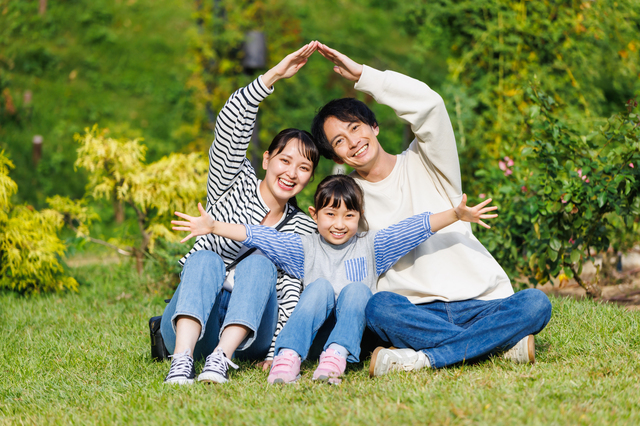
253, 303
453, 332
318, 304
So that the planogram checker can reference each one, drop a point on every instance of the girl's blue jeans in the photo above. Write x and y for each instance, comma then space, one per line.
253, 303
318, 304
453, 332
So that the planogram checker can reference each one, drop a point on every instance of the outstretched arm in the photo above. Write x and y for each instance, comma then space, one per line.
395, 241
463, 213
283, 249
205, 224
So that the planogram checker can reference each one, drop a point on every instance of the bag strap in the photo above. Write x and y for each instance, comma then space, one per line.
247, 253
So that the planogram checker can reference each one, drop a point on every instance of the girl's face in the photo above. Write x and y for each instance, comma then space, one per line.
336, 225
288, 172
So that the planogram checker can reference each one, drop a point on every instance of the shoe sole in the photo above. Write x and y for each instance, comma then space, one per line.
374, 359
211, 378
327, 379
280, 381
179, 382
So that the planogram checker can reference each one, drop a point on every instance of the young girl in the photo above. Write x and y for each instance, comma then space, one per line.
339, 267
203, 319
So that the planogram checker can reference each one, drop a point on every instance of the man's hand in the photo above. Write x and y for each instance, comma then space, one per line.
345, 66
196, 226
290, 65
474, 214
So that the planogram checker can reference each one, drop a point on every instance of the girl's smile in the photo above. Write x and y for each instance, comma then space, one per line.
336, 224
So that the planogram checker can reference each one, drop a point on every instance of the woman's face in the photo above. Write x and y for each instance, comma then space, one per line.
288, 172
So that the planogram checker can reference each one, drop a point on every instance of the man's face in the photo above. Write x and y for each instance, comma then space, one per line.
355, 144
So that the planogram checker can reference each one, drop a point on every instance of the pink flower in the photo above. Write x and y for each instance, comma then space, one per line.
502, 165
631, 165
579, 172
523, 188
509, 161
482, 196
508, 172
571, 241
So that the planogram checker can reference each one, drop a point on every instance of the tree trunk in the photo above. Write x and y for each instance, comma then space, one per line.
593, 289
43, 7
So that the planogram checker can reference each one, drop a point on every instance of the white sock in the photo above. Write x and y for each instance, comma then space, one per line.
283, 350
339, 350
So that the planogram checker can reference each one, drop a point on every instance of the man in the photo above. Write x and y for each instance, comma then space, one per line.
448, 301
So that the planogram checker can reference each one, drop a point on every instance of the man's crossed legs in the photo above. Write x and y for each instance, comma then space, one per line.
447, 333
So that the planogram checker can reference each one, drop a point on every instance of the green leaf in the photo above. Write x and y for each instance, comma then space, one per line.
555, 244
575, 255
553, 255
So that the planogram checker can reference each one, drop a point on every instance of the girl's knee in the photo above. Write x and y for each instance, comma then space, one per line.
320, 289
356, 294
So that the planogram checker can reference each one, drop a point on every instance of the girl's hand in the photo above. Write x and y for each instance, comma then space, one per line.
265, 365
345, 66
474, 214
196, 226
290, 65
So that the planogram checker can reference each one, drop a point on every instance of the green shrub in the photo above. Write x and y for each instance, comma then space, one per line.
30, 250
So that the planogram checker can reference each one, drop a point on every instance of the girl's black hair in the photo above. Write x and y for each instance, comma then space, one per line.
337, 189
307, 147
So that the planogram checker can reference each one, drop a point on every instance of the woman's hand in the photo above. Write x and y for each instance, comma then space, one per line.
265, 365
196, 226
290, 65
474, 214
345, 66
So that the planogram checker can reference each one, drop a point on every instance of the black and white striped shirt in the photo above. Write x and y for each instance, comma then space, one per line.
233, 195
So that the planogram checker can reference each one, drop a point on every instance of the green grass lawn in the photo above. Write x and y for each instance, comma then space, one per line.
84, 358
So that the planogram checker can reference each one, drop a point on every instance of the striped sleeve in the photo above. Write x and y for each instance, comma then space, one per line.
285, 250
393, 242
234, 127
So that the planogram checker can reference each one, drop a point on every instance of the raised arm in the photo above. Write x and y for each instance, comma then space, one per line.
393, 242
236, 120
414, 102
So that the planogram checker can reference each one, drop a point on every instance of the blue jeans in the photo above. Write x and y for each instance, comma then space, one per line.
253, 303
452, 332
317, 304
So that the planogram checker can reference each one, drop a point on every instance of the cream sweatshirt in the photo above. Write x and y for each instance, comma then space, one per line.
452, 265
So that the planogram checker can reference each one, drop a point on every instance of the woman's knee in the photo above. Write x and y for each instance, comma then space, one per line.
256, 264
204, 259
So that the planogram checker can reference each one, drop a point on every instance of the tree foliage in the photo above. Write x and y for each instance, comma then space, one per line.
117, 171
30, 250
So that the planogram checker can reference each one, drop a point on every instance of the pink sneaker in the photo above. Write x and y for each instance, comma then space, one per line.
285, 368
331, 367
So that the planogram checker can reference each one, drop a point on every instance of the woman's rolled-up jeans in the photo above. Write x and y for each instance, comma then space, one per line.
253, 303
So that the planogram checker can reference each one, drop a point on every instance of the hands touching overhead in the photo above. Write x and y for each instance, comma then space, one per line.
291, 63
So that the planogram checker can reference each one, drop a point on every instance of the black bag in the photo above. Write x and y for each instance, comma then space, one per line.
159, 351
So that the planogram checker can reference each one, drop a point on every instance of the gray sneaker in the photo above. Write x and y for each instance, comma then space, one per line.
215, 368
523, 352
181, 371
385, 360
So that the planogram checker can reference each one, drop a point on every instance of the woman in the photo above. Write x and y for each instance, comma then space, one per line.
203, 319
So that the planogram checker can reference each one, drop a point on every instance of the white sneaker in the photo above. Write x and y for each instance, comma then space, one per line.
523, 352
385, 360
215, 368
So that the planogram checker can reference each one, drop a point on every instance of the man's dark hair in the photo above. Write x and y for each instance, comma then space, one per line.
348, 110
